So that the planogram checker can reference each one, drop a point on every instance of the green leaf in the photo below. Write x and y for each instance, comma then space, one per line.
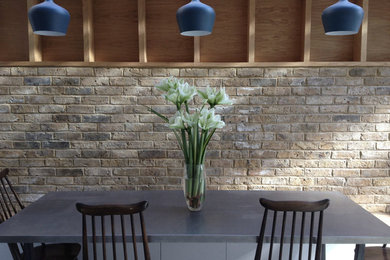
209, 137
186, 151
157, 114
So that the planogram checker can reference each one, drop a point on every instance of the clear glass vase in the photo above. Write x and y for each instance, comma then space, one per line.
194, 186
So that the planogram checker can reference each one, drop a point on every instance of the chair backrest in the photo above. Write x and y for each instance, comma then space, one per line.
123, 212
292, 210
10, 204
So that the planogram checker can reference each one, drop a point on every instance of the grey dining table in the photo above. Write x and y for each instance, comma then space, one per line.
227, 216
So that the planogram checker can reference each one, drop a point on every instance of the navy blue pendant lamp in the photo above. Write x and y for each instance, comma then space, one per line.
49, 19
342, 18
195, 19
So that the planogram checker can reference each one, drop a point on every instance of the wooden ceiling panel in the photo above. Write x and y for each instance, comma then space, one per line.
13, 30
69, 47
229, 40
378, 31
279, 25
115, 30
164, 42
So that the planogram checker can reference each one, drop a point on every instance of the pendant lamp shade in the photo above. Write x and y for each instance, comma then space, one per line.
195, 19
342, 18
49, 19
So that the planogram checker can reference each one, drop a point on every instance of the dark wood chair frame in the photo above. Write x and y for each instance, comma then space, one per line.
102, 211
9, 207
295, 207
10, 204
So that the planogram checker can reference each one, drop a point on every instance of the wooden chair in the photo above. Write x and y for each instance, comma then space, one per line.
10, 204
121, 212
294, 208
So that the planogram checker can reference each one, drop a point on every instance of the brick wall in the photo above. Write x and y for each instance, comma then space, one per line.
290, 129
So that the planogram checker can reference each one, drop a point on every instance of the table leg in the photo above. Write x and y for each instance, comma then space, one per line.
359, 252
323, 252
28, 251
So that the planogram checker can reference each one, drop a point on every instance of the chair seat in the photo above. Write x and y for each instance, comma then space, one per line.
57, 252
377, 253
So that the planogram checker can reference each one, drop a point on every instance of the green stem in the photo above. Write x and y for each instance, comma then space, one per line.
209, 137
195, 144
195, 181
202, 147
189, 181
185, 150
206, 141
199, 144
186, 105
191, 147
180, 142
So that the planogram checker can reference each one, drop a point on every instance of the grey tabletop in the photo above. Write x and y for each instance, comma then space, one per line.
228, 216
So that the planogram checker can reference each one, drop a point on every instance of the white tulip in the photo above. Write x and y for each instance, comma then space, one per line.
185, 92
176, 122
208, 120
222, 98
168, 84
214, 97
191, 119
172, 96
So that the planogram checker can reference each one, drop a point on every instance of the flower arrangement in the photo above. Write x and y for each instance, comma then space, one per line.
193, 129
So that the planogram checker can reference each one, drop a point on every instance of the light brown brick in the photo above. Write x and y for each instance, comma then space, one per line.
359, 182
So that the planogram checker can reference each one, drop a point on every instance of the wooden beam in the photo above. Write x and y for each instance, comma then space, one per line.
251, 30
364, 34
364, 37
34, 41
307, 31
360, 50
142, 31
89, 52
313, 64
196, 49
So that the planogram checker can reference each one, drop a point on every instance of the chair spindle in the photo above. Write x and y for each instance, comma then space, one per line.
85, 250
302, 235
103, 238
124, 238
282, 235
311, 234
272, 235
133, 237
292, 235
319, 236
113, 237
144, 237
14, 193
8, 196
93, 238
5, 201
261, 236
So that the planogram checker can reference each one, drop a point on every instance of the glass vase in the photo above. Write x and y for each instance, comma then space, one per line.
194, 186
